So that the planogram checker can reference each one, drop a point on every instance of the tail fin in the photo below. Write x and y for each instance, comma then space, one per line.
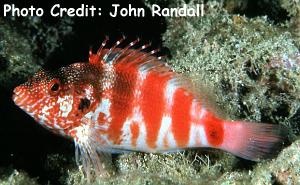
253, 141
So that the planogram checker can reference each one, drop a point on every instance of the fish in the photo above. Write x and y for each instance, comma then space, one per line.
126, 99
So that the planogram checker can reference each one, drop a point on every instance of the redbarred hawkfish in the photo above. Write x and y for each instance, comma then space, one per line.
125, 99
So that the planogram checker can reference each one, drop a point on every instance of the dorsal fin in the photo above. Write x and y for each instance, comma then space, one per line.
144, 61
116, 54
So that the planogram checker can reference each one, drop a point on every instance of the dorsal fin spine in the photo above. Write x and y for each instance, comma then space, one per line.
122, 51
136, 56
103, 44
113, 48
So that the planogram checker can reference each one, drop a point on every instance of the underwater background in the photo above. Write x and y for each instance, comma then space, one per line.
245, 52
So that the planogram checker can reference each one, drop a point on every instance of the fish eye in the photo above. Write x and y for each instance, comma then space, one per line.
54, 87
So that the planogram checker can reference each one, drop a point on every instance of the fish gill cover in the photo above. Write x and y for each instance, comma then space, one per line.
246, 52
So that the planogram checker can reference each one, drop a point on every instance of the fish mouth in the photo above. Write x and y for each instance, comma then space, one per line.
15, 94
18, 96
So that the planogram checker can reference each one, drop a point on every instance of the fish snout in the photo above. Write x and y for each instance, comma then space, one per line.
17, 94
16, 90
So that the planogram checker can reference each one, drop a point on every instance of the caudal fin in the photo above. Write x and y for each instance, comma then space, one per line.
253, 141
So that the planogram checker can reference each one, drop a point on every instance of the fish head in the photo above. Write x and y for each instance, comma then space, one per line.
59, 100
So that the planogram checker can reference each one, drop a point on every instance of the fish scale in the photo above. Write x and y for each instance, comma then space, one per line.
125, 99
